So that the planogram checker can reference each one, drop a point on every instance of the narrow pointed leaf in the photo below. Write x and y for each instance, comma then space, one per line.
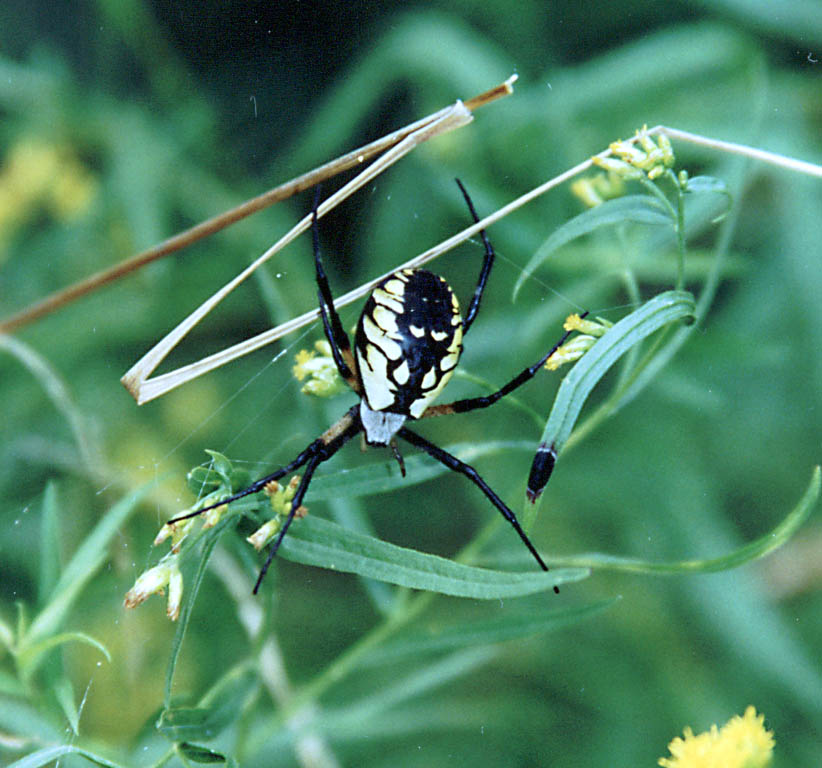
318, 542
665, 308
49, 755
85, 562
49, 544
640, 209
216, 710
191, 590
202, 755
30, 658
499, 630
752, 551
64, 693
385, 476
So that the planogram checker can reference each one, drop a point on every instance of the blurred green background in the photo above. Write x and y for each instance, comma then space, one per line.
122, 122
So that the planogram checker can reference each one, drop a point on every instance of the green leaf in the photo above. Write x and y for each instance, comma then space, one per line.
49, 544
707, 184
222, 466
640, 209
420, 681
665, 308
745, 554
6, 635
202, 480
83, 565
219, 475
218, 709
199, 754
710, 185
64, 693
498, 630
48, 755
319, 542
27, 720
349, 513
190, 722
385, 476
56, 390
211, 539
30, 658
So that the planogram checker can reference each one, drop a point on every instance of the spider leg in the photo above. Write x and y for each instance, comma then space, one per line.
326, 445
472, 403
334, 331
257, 485
312, 465
453, 463
339, 436
487, 263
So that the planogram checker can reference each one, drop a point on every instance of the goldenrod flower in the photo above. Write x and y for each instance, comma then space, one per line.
280, 498
590, 331
596, 327
37, 173
177, 531
213, 516
619, 167
324, 379
587, 192
570, 352
154, 582
175, 594
631, 159
595, 190
742, 742
265, 533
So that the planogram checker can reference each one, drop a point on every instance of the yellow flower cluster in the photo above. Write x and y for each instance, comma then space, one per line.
280, 498
324, 379
638, 158
742, 742
595, 190
154, 582
589, 330
37, 173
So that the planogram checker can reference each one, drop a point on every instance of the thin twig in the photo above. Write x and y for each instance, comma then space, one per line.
213, 225
772, 158
159, 385
136, 379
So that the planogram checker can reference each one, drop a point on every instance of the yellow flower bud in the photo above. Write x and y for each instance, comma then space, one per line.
265, 533
154, 581
586, 191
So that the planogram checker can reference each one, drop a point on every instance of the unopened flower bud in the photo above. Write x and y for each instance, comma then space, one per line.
154, 581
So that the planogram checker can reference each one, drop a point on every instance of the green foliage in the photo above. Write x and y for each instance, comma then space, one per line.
412, 629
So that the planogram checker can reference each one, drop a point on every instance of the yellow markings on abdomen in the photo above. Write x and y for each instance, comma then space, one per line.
408, 343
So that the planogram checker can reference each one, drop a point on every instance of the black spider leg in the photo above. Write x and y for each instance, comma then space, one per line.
323, 453
257, 485
317, 447
487, 263
395, 450
472, 403
312, 465
453, 463
334, 331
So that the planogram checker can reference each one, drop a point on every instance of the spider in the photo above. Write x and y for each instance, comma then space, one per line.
407, 345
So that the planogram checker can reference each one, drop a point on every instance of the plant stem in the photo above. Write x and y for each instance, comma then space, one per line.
680, 232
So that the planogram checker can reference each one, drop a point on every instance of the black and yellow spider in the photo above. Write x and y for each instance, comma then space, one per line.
407, 345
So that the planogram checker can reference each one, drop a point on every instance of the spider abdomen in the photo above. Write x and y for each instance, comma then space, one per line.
408, 342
